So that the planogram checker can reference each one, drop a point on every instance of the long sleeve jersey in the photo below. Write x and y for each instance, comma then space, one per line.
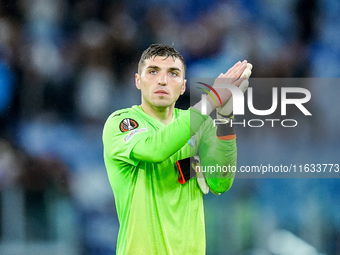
157, 214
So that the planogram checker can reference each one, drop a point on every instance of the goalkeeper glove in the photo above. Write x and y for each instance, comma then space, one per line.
188, 168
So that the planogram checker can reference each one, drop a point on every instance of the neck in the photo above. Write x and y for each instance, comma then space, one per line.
163, 114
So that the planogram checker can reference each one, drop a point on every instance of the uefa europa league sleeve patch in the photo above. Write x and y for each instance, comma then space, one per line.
128, 125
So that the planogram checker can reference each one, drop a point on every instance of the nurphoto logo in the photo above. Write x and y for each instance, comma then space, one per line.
238, 102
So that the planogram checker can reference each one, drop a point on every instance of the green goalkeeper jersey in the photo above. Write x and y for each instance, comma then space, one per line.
157, 214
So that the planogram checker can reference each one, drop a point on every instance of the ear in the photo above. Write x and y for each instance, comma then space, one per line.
184, 86
137, 80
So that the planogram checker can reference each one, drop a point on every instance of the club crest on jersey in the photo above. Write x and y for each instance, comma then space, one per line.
128, 125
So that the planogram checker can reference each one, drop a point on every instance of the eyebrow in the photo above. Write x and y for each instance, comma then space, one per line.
174, 69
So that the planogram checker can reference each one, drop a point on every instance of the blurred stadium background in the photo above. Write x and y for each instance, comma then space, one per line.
65, 65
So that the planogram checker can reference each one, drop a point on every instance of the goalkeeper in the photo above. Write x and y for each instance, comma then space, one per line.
147, 151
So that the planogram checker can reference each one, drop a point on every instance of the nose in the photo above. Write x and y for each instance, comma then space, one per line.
162, 79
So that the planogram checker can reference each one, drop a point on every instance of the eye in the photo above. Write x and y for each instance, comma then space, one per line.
152, 71
173, 73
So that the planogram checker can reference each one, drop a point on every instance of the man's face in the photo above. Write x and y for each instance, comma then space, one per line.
161, 81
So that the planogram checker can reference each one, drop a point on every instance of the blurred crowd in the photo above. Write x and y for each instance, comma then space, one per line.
65, 65
75, 60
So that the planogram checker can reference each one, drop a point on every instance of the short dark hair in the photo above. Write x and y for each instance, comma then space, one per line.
161, 50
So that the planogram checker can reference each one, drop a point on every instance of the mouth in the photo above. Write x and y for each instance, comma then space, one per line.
161, 92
